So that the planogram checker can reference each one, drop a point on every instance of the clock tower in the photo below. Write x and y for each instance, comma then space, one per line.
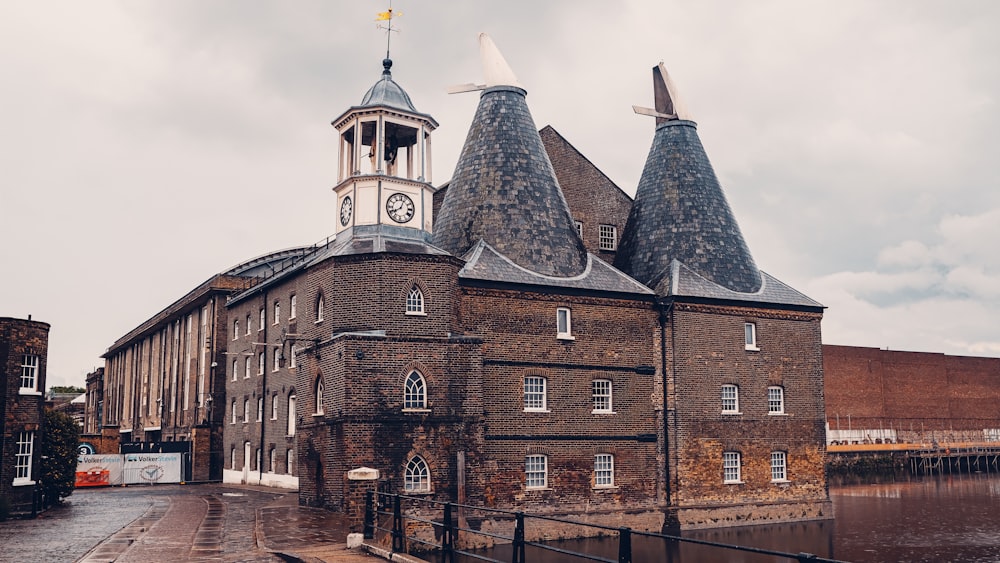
384, 173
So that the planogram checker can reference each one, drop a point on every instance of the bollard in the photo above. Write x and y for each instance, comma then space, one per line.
397, 525
517, 555
448, 541
369, 514
624, 545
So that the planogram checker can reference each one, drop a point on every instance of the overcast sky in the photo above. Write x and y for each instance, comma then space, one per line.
145, 146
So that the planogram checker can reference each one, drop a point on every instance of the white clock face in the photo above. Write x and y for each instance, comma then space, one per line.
399, 207
346, 208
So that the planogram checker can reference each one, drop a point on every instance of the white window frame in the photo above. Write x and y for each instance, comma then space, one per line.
415, 301
290, 426
579, 227
775, 400
292, 307
604, 471
272, 461
23, 458
293, 351
260, 409
256, 466
319, 308
262, 319
607, 237
233, 421
750, 336
246, 368
277, 313
274, 407
29, 374
276, 361
535, 399
779, 467
319, 396
732, 472
232, 454
260, 363
602, 393
536, 472
730, 395
236, 369
415, 392
249, 324
236, 329
246, 411
417, 476
290, 461
564, 323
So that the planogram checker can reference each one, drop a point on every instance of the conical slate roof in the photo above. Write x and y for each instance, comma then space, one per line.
386, 92
505, 192
680, 213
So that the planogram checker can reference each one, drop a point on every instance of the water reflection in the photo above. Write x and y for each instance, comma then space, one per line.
933, 519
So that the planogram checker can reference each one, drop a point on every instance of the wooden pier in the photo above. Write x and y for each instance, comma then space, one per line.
935, 459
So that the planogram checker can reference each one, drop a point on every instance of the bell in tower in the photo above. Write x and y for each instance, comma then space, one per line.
384, 171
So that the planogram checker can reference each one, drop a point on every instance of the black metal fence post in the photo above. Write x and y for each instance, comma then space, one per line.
624, 545
369, 514
397, 524
518, 553
448, 541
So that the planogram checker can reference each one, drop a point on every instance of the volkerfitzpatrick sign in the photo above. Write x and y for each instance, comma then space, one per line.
127, 469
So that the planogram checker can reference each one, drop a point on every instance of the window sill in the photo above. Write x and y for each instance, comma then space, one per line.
777, 414
565, 337
415, 314
732, 413
538, 410
532, 489
752, 349
317, 321
30, 392
22, 482
603, 412
734, 482
315, 414
418, 493
780, 481
600, 488
417, 411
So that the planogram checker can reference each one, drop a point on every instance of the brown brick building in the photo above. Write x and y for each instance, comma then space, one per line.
24, 346
525, 337
878, 396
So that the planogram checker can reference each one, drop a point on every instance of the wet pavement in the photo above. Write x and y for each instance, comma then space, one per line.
211, 522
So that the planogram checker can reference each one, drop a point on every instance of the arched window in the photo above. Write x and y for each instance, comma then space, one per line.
319, 308
319, 395
415, 391
232, 457
274, 407
236, 367
417, 477
291, 414
415, 301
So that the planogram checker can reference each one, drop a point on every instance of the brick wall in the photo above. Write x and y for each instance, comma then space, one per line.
920, 396
20, 411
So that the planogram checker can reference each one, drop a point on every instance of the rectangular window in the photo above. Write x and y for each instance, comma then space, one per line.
236, 368
246, 411
246, 368
604, 470
276, 361
602, 395
248, 325
564, 323
291, 359
274, 407
260, 409
775, 400
536, 472
236, 329
290, 462
260, 363
730, 399
608, 237
292, 307
29, 372
731, 467
534, 393
778, 467
261, 321
273, 459
277, 313
750, 334
579, 227
22, 459
234, 412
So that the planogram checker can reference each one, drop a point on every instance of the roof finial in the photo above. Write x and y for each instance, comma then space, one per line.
387, 17
668, 103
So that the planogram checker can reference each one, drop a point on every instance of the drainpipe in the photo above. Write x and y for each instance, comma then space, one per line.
263, 391
664, 317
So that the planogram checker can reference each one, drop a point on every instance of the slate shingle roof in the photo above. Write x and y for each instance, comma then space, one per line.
387, 93
681, 213
682, 281
505, 193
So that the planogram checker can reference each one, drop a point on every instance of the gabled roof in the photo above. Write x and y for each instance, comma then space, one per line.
681, 281
484, 263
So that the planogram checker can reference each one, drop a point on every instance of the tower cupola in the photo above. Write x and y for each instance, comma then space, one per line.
384, 172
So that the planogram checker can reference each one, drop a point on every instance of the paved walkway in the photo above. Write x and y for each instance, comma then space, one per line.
141, 524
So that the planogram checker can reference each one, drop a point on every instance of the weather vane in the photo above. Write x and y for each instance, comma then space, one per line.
387, 17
